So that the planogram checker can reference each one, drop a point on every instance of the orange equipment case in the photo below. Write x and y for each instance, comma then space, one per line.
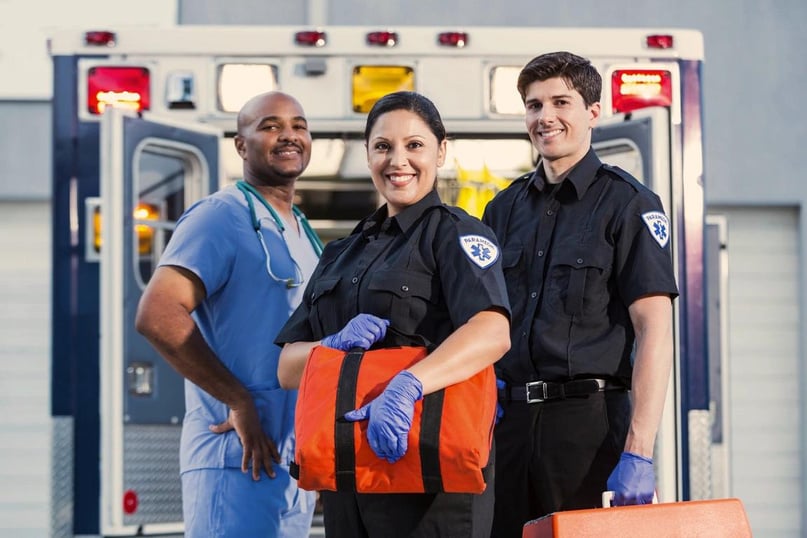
718, 518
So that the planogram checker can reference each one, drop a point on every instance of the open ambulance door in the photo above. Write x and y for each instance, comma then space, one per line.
639, 142
151, 171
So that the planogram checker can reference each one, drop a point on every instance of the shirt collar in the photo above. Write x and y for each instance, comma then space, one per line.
405, 219
581, 176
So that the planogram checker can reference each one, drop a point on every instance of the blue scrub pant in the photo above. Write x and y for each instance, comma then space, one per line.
226, 503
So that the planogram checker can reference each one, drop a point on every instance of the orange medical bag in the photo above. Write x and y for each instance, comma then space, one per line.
448, 445
718, 518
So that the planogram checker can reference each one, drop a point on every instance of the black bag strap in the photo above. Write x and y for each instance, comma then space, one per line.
343, 430
431, 419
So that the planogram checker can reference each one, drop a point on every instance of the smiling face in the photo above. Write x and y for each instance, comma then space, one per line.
559, 122
273, 139
403, 155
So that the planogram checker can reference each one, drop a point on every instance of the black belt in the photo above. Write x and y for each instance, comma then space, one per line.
542, 391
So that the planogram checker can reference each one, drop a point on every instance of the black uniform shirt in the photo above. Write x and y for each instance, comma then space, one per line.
428, 269
575, 257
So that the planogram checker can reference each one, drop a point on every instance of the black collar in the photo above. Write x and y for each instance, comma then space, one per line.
379, 221
580, 177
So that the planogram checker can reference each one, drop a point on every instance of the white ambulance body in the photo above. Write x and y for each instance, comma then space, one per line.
121, 179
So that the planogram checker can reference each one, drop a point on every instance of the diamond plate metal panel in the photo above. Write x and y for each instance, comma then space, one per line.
151, 468
700, 454
61, 478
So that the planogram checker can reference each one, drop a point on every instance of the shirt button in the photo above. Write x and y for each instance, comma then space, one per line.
533, 295
354, 279
540, 253
579, 260
404, 288
549, 212
524, 334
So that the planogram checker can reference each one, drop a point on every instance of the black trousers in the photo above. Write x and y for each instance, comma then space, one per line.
556, 455
410, 515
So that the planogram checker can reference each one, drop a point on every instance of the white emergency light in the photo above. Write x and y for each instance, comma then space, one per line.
504, 97
238, 82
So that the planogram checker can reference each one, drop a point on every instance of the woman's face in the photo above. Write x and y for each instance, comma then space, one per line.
403, 156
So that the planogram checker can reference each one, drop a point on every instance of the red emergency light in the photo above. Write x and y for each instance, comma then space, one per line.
632, 89
130, 502
127, 87
382, 39
100, 38
453, 39
310, 38
659, 41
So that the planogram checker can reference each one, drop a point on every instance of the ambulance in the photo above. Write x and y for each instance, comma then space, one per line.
143, 121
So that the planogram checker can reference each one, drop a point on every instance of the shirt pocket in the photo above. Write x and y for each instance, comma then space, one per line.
324, 306
406, 295
579, 281
514, 268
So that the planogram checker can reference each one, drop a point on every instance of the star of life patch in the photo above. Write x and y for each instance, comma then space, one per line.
658, 225
480, 250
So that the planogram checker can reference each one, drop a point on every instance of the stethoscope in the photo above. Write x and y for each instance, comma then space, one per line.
297, 280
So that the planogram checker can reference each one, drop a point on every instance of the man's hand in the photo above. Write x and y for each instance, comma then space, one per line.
362, 331
633, 480
258, 447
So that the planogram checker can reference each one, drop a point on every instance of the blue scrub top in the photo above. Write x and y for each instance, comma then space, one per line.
242, 312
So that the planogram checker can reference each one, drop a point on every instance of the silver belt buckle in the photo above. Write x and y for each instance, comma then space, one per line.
543, 396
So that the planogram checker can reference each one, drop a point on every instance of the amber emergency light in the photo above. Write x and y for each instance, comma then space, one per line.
145, 233
372, 82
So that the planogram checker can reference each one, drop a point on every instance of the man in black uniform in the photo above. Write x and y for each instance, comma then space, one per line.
586, 256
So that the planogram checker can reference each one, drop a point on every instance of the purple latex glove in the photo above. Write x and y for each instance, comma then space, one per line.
390, 416
362, 331
633, 480
500, 385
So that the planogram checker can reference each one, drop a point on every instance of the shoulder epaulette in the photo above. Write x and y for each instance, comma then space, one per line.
455, 212
620, 174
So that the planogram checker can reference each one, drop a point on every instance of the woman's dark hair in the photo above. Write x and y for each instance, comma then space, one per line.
412, 101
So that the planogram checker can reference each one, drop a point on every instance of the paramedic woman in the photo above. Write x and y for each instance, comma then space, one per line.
414, 267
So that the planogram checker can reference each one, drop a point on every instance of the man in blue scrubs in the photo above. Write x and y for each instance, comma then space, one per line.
232, 273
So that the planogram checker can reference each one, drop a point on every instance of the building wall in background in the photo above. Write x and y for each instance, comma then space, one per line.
24, 369
25, 150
